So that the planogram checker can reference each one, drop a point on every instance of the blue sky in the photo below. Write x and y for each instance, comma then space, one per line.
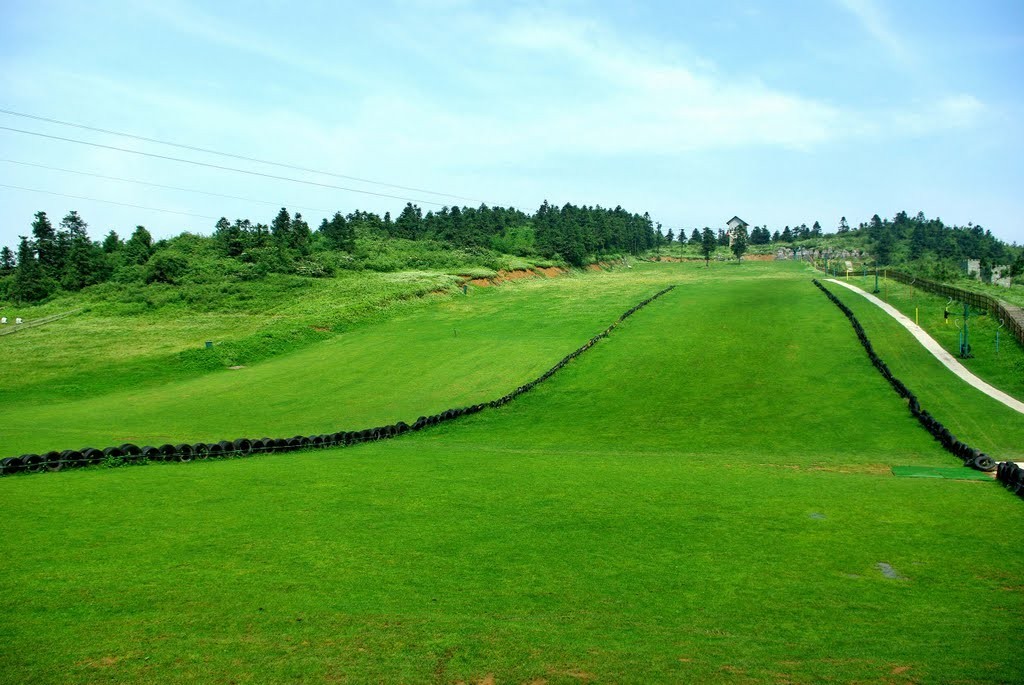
780, 112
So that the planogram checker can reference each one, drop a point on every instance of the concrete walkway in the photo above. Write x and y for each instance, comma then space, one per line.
948, 360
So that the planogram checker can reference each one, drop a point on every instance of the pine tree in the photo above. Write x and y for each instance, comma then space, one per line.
31, 283
410, 222
708, 243
338, 233
281, 228
46, 245
843, 226
695, 237
112, 243
85, 264
299, 234
739, 242
139, 247
7, 262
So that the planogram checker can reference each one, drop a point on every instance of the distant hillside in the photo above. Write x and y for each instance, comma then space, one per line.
455, 240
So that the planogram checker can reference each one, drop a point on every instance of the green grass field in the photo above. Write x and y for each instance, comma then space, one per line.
1003, 367
705, 496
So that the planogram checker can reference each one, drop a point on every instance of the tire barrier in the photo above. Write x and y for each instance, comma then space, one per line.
241, 447
970, 456
1012, 476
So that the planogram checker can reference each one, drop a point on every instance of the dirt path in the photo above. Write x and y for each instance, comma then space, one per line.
948, 360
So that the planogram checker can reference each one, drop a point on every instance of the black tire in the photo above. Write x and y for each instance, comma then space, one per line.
167, 452
214, 451
201, 450
91, 456
226, 448
11, 465
294, 443
151, 453
316, 441
72, 459
984, 462
33, 463
112, 453
130, 450
54, 461
243, 445
183, 452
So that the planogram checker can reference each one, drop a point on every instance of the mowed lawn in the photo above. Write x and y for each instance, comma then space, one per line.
427, 356
705, 496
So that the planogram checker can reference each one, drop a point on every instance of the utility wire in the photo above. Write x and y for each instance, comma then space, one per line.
217, 166
234, 156
160, 185
109, 202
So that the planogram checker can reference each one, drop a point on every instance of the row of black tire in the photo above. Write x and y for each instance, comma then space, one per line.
241, 447
1012, 476
971, 456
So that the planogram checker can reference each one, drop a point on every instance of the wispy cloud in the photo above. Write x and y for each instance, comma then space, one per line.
877, 25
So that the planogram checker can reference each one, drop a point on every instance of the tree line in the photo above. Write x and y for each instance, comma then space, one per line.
64, 258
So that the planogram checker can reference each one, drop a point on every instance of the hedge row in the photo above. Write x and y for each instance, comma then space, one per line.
240, 447
970, 456
1012, 476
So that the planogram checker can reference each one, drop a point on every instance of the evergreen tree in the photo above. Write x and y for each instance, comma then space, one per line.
739, 242
787, 235
338, 233
776, 237
228, 238
816, 230
670, 236
695, 237
30, 283
410, 222
281, 228
139, 247
85, 264
299, 234
708, 243
112, 243
51, 257
7, 262
843, 226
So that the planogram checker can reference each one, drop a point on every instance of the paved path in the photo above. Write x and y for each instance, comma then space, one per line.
948, 360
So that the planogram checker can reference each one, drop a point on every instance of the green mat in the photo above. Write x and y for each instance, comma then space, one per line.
952, 472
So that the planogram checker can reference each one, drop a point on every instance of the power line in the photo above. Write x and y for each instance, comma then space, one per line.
160, 185
218, 166
109, 202
232, 155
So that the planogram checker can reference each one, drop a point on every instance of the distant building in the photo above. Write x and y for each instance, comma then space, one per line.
734, 224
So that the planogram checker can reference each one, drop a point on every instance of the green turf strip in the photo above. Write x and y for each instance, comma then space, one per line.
952, 473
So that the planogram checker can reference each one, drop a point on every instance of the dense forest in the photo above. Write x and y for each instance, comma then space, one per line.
64, 258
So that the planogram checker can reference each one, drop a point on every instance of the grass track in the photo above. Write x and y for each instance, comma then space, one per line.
702, 497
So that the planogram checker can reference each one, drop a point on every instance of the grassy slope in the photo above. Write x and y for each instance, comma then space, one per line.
425, 358
968, 413
702, 497
1004, 369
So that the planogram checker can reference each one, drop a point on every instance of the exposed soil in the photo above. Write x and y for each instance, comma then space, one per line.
481, 282
759, 258
552, 271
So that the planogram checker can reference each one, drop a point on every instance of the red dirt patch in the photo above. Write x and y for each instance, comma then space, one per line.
514, 275
481, 282
594, 267
551, 271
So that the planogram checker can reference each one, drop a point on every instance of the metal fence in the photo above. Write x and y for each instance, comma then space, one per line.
1012, 316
